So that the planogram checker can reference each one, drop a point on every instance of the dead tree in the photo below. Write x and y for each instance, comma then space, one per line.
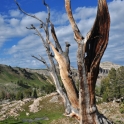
82, 104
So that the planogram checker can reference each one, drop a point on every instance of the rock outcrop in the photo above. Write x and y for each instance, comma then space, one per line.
109, 65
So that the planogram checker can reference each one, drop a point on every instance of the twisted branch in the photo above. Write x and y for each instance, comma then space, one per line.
43, 61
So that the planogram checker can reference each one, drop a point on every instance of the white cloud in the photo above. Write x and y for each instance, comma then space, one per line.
1, 20
26, 20
115, 51
14, 22
15, 13
84, 12
59, 18
27, 46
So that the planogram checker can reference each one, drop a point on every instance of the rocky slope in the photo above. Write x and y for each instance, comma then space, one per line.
49, 110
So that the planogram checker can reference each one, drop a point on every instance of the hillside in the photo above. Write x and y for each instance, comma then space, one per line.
14, 80
13, 74
37, 78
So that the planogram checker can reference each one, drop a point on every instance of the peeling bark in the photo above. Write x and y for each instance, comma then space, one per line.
64, 67
90, 51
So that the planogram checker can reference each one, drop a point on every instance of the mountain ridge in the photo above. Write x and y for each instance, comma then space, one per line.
108, 65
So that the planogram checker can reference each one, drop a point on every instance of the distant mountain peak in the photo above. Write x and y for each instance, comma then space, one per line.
108, 65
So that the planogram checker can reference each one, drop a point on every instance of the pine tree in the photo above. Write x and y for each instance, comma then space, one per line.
35, 94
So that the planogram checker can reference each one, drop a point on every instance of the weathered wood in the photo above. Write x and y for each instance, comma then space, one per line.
58, 46
43, 61
90, 51
64, 68
77, 35
97, 41
53, 73
69, 109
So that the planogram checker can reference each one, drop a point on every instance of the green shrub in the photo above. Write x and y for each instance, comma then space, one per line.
19, 96
35, 94
48, 88
122, 108
105, 97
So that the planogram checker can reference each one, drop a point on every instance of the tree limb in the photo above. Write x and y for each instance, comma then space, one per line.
43, 61
77, 35
47, 21
40, 35
67, 48
67, 81
33, 16
48, 9
58, 46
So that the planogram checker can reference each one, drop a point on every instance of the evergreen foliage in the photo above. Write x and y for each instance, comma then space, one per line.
48, 88
112, 86
122, 108
19, 96
34, 93
2, 95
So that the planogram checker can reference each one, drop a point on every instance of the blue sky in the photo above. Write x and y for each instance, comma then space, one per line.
17, 44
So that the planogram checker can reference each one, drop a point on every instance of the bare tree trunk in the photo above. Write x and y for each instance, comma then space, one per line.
90, 51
